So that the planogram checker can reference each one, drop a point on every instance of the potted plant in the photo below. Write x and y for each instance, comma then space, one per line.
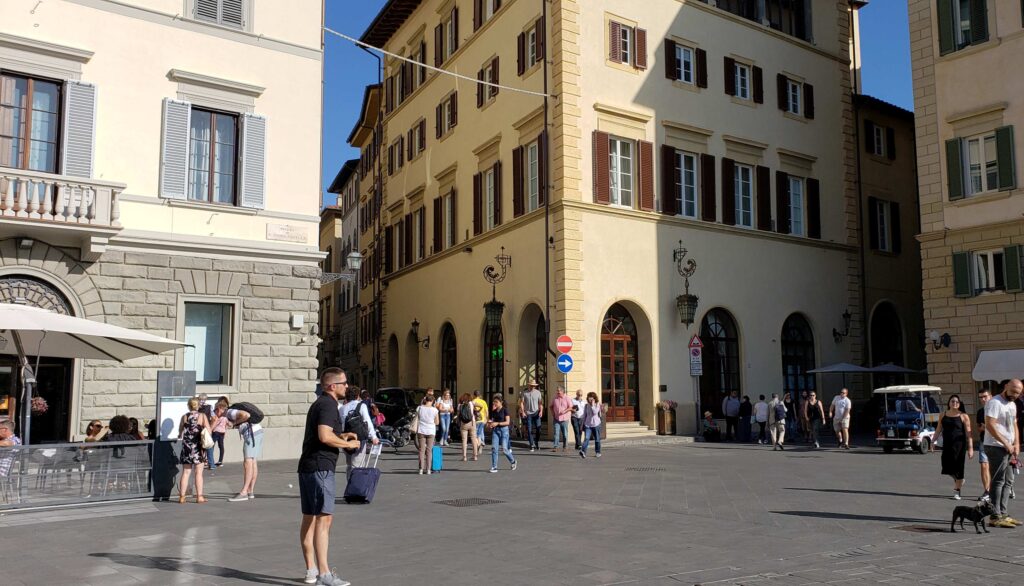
667, 417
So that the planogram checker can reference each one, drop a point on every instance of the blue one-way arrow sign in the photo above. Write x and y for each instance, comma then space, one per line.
564, 363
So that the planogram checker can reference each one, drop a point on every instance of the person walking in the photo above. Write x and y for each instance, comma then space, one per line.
592, 413
192, 456
839, 411
731, 412
814, 414
322, 439
427, 420
805, 424
792, 416
578, 403
983, 397
498, 424
531, 402
354, 403
1002, 446
561, 412
761, 418
777, 417
955, 430
480, 407
746, 412
467, 424
445, 409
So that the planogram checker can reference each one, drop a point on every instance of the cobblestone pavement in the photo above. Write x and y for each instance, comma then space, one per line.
658, 515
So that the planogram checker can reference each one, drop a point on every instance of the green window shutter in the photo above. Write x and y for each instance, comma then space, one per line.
1005, 158
1012, 268
979, 21
962, 274
947, 36
954, 169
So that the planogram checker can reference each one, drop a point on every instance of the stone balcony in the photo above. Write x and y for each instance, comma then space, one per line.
59, 209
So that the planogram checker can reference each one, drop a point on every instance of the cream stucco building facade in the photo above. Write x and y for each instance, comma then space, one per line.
727, 126
165, 180
971, 201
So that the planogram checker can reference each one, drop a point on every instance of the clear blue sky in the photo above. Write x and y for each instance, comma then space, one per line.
885, 52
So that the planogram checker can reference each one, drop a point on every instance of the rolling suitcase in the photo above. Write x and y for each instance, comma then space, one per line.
363, 482
437, 459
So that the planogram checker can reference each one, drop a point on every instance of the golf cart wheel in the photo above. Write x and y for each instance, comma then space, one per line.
887, 448
923, 445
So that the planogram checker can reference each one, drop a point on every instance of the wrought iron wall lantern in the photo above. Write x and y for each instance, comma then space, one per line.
938, 341
415, 325
353, 262
686, 304
836, 334
494, 275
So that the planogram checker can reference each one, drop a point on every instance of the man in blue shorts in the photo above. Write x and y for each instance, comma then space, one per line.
320, 445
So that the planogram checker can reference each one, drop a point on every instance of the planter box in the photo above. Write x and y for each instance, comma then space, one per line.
666, 421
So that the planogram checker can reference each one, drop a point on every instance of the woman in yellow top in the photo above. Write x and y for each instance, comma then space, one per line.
481, 418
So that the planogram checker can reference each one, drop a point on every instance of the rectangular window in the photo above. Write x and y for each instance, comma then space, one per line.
449, 113
626, 40
879, 140
490, 76
988, 271
451, 44
744, 188
208, 335
684, 64
794, 91
981, 166
531, 47
488, 6
223, 12
449, 220
532, 178
686, 182
796, 206
620, 153
883, 213
788, 16
30, 115
417, 139
490, 210
213, 156
742, 81
399, 244
416, 236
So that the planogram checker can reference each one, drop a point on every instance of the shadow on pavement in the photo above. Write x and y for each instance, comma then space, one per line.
852, 517
870, 492
190, 567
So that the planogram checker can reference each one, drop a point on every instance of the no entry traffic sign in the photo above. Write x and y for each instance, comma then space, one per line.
563, 344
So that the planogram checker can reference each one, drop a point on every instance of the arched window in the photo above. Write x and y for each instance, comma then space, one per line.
449, 359
540, 353
494, 363
721, 359
886, 343
797, 356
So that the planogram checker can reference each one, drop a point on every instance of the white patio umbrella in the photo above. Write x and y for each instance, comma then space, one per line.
25, 329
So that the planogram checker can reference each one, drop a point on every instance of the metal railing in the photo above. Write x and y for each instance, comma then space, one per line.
61, 474
59, 198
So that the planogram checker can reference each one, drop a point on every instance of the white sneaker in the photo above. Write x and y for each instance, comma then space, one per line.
241, 498
429, 472
493, 470
599, 454
421, 472
311, 576
331, 580
956, 495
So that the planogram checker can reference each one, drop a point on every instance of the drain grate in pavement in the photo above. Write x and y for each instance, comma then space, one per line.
919, 529
644, 469
468, 502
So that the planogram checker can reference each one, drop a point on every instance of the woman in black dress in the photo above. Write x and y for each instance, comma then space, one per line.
955, 431
193, 456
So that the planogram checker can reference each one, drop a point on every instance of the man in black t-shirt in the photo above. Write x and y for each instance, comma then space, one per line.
986, 478
320, 445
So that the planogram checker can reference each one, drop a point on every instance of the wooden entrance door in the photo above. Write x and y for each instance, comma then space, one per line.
619, 366
53, 384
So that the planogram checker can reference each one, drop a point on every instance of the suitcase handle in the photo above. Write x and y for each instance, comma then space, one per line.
374, 451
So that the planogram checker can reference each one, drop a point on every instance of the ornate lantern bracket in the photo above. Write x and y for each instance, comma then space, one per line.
686, 304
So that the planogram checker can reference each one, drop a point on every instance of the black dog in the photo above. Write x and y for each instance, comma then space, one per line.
975, 514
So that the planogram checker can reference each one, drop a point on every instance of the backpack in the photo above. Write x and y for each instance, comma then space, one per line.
780, 411
354, 423
466, 412
255, 415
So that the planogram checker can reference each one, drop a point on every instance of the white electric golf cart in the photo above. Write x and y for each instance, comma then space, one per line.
911, 414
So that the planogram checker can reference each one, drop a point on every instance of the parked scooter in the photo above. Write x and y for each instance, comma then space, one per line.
398, 435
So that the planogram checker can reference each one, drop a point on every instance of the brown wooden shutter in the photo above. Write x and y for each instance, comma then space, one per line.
640, 54
438, 223
730, 76
896, 231
477, 14
517, 182
408, 240
478, 212
646, 165
758, 85
782, 202
708, 197
615, 42
813, 208
439, 115
869, 137
782, 91
542, 167
671, 64
764, 198
438, 45
873, 223
423, 232
409, 146
602, 180
455, 216
497, 193
521, 54
389, 250
669, 187
454, 99
495, 68
480, 88
455, 27
808, 101
423, 135
890, 142
728, 191
391, 160
702, 68
540, 35
389, 91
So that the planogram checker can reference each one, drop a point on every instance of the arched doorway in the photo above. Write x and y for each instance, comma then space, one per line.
392, 362
531, 347
619, 381
797, 356
494, 362
886, 343
449, 360
54, 376
721, 359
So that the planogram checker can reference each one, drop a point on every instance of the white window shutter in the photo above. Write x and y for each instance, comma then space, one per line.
232, 12
79, 129
174, 151
253, 154
207, 9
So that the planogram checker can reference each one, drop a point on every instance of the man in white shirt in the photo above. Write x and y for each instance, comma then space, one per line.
761, 417
1002, 446
577, 416
360, 456
840, 411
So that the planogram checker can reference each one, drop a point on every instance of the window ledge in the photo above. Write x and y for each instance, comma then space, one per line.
219, 207
881, 159
795, 117
748, 102
984, 198
621, 66
970, 50
690, 87
532, 69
